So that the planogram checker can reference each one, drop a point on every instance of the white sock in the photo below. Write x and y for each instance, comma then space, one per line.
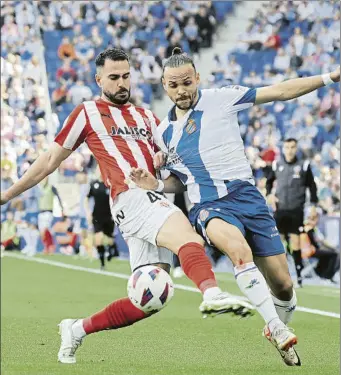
78, 329
285, 309
211, 292
253, 285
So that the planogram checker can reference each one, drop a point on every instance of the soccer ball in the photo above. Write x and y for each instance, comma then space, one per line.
150, 288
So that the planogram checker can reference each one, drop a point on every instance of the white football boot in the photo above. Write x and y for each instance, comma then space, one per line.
224, 303
69, 342
283, 338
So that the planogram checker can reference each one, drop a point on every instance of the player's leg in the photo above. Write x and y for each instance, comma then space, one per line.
164, 225
276, 272
264, 239
99, 236
108, 230
177, 235
295, 246
230, 240
118, 314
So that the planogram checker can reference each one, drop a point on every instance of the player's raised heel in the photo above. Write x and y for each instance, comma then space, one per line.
224, 303
69, 342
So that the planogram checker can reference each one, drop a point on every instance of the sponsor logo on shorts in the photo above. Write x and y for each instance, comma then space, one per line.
191, 126
203, 215
274, 231
164, 204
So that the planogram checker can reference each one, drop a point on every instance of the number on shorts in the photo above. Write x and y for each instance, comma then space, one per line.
153, 197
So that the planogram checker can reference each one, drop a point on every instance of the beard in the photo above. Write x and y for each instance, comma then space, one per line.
116, 99
184, 106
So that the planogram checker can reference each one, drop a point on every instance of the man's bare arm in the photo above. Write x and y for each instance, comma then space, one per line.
46, 163
293, 88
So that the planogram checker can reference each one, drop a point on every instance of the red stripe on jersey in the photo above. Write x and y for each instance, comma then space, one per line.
112, 174
121, 143
148, 157
142, 112
143, 147
67, 126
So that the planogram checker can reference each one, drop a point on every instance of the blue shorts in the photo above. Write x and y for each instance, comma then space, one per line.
245, 208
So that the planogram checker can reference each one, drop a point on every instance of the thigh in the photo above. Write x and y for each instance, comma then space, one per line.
276, 272
143, 253
230, 240
261, 231
176, 232
141, 213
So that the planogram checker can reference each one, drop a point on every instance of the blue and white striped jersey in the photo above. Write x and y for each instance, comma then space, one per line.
204, 148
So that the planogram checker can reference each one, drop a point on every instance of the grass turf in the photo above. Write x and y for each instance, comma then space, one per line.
177, 341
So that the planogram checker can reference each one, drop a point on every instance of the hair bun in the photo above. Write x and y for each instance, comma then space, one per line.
176, 51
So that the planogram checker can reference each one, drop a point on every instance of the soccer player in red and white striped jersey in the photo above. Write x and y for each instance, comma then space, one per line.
120, 137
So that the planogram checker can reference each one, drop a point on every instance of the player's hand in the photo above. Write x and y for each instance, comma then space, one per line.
272, 200
143, 179
159, 160
335, 75
3, 198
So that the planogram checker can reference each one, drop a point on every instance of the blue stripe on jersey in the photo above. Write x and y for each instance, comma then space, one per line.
249, 97
188, 149
167, 135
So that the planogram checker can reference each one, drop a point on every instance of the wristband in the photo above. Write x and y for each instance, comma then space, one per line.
160, 187
326, 79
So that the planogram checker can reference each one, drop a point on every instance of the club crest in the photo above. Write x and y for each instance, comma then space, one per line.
191, 126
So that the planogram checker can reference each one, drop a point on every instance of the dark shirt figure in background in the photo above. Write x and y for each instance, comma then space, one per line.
294, 176
102, 220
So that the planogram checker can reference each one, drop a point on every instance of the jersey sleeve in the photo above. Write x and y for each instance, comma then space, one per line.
236, 98
73, 132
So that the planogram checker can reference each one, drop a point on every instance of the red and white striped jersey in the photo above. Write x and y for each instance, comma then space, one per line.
119, 138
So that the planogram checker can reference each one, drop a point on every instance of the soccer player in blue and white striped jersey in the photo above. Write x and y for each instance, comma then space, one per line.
202, 148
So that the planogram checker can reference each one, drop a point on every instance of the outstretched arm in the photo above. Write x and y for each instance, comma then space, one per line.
46, 163
147, 181
294, 88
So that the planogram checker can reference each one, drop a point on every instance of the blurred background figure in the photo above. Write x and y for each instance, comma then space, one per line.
317, 247
101, 220
293, 176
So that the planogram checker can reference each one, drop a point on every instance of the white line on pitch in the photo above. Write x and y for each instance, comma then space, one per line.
126, 277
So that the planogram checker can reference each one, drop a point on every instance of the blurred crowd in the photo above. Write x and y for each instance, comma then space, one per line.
287, 40
284, 40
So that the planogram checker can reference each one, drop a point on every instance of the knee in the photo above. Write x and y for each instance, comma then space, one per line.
284, 289
239, 252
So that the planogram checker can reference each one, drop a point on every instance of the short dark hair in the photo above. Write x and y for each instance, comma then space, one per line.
114, 54
291, 139
177, 59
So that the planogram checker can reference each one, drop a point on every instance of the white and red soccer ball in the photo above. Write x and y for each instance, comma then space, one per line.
150, 288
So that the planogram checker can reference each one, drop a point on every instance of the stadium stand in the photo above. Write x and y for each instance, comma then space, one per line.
287, 40
284, 40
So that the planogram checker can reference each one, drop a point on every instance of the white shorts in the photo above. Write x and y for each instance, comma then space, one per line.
139, 215
45, 220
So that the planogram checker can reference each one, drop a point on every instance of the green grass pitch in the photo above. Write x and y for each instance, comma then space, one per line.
177, 341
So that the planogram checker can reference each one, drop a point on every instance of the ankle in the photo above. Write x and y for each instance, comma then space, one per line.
274, 323
210, 293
